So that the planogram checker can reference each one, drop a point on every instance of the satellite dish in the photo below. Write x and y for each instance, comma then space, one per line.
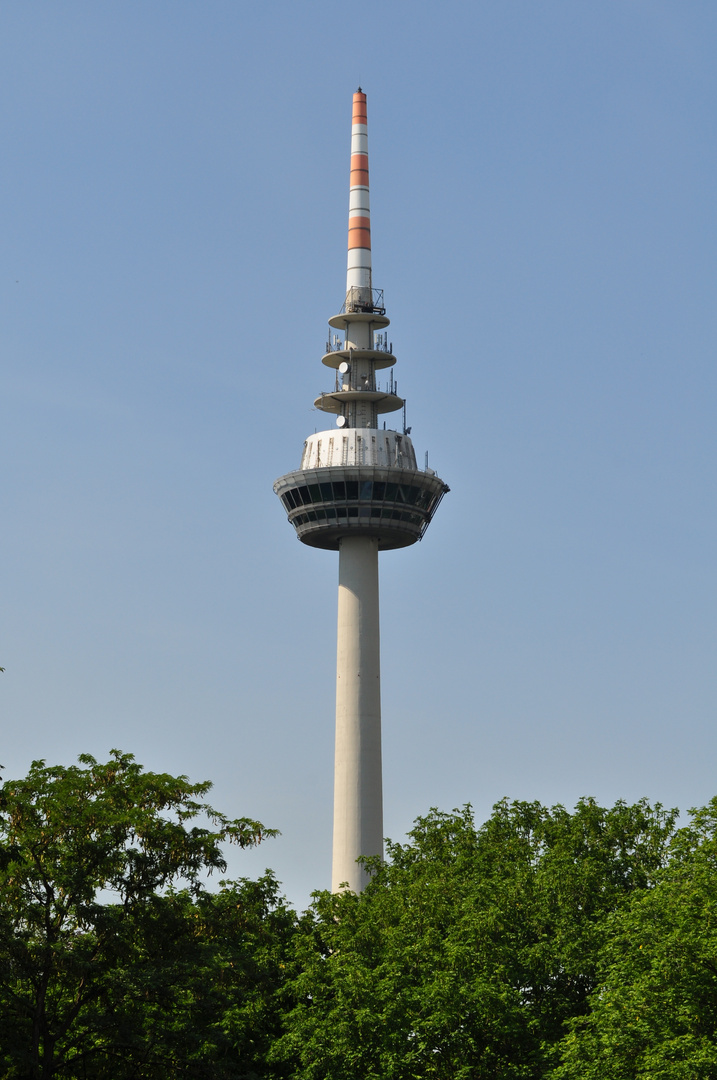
344, 368
340, 421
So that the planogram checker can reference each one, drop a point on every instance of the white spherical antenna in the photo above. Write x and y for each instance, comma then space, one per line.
344, 368
340, 421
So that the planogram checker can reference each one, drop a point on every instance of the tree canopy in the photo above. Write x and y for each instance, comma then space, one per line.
653, 1015
471, 947
544, 944
99, 955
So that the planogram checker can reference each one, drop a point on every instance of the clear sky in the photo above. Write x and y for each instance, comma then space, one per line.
174, 184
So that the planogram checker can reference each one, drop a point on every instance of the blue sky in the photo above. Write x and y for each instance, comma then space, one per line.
175, 193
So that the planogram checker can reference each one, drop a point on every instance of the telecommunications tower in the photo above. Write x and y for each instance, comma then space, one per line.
359, 491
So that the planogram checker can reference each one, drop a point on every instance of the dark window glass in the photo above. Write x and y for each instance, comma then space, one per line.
287, 502
412, 494
386, 512
321, 515
314, 493
390, 492
330, 512
364, 511
423, 497
326, 493
400, 497
302, 495
366, 490
339, 489
353, 511
352, 489
311, 516
379, 489
341, 513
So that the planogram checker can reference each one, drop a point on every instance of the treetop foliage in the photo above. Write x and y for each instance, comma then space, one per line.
543, 944
69, 960
73, 831
471, 947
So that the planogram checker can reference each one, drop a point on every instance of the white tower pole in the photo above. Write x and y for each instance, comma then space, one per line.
359, 491
358, 793
358, 786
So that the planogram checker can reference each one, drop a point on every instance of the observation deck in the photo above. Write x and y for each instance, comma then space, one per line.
392, 505
359, 480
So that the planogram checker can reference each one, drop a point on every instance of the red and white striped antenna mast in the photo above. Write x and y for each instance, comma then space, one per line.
358, 269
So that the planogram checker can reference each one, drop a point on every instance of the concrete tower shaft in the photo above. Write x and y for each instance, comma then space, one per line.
358, 791
358, 491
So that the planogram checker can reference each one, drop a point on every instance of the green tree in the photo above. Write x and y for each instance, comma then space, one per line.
470, 948
195, 992
92, 938
654, 1013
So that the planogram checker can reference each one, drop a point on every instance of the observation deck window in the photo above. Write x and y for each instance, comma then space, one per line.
371, 499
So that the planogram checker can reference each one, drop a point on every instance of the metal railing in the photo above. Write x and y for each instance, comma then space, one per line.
380, 344
363, 300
